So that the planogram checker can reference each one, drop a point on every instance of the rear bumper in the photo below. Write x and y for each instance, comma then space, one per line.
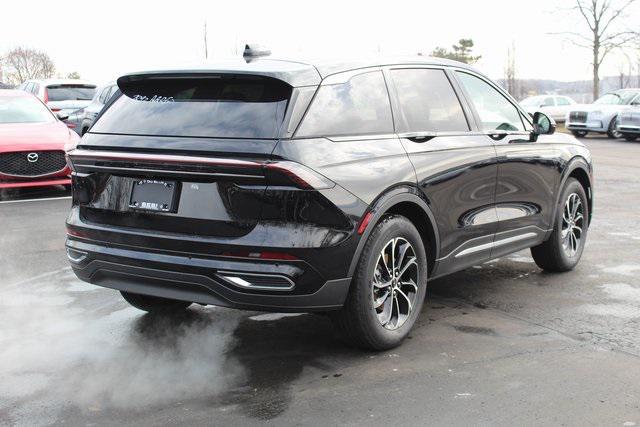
202, 280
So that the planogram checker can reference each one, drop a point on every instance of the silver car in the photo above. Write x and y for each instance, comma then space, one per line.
91, 111
554, 106
629, 122
601, 116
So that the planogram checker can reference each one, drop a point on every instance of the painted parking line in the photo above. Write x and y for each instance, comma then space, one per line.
35, 200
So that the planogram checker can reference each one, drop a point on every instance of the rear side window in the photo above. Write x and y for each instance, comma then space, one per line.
222, 106
562, 101
70, 92
357, 107
495, 111
427, 101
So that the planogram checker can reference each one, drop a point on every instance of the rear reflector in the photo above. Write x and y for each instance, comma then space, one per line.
271, 256
365, 222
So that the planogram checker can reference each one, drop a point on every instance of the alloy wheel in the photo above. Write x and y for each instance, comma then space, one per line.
572, 224
395, 283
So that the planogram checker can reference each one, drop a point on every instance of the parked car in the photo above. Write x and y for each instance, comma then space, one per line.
327, 186
601, 116
629, 122
91, 111
33, 142
65, 96
554, 106
5, 86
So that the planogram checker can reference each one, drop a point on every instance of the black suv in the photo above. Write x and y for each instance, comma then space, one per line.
337, 187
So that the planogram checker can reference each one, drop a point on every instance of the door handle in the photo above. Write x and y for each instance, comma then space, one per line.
418, 137
497, 135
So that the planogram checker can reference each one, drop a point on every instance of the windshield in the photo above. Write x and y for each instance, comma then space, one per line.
196, 106
70, 92
616, 98
24, 109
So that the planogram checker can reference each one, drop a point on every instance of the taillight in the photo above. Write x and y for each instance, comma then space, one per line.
287, 173
46, 96
70, 125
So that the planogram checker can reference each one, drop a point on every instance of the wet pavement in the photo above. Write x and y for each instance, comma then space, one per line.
501, 343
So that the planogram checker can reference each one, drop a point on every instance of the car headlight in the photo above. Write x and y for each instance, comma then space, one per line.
595, 115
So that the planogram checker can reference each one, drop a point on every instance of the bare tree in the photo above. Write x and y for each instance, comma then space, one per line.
23, 64
510, 71
605, 34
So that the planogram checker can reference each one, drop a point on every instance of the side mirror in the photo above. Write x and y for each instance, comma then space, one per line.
62, 116
542, 125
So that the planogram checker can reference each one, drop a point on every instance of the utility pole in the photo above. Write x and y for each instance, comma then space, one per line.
206, 51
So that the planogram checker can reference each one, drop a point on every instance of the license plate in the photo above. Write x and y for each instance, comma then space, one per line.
154, 195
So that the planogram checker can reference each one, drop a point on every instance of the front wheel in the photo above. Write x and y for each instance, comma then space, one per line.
579, 133
154, 304
562, 251
612, 132
388, 288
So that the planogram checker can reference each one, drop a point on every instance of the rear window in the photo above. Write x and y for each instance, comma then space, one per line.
197, 106
70, 92
357, 107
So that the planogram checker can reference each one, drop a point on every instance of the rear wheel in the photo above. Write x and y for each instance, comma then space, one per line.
630, 137
388, 288
154, 304
613, 132
579, 133
562, 251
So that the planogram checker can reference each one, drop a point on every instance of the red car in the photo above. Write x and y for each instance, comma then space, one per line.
33, 143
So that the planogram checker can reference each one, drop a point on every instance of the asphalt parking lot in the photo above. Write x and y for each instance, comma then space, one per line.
501, 343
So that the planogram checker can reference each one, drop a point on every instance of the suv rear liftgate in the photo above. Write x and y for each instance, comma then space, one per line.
165, 206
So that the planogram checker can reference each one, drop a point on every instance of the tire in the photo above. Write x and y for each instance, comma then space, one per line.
559, 254
84, 130
359, 321
154, 304
612, 132
579, 133
629, 137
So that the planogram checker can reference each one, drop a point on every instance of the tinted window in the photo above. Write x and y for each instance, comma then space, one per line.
25, 109
359, 106
428, 102
70, 92
215, 106
495, 111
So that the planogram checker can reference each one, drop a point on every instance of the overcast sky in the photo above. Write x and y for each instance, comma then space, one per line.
103, 39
